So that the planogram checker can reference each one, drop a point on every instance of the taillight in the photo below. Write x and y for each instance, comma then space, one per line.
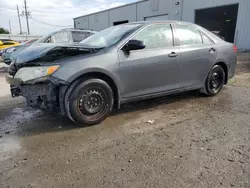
235, 49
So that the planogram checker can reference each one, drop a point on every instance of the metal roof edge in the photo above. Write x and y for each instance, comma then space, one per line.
137, 2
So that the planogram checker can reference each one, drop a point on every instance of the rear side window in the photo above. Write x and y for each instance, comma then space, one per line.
156, 36
188, 35
206, 39
78, 36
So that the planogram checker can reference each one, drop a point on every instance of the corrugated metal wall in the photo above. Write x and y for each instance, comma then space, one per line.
185, 11
99, 21
123, 13
132, 12
242, 34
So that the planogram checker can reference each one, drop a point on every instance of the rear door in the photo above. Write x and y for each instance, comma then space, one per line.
197, 53
153, 69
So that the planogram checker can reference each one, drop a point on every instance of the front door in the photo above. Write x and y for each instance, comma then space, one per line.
153, 69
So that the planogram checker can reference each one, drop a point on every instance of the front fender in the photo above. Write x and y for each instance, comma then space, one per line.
71, 80
70, 71
92, 70
75, 67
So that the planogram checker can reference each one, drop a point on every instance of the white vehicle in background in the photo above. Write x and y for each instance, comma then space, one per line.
66, 36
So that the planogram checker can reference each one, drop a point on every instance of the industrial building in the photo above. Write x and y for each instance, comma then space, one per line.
229, 18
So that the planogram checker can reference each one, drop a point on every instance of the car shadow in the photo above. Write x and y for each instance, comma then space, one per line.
156, 102
35, 122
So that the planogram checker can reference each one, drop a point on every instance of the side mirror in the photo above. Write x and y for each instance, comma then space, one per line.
134, 45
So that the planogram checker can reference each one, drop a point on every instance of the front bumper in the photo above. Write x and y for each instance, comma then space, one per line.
12, 81
38, 95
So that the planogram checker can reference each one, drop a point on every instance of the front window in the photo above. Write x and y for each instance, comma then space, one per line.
110, 36
156, 36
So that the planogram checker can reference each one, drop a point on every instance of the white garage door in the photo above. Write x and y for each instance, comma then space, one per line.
157, 18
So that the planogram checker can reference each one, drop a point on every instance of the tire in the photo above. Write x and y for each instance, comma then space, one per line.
89, 102
215, 80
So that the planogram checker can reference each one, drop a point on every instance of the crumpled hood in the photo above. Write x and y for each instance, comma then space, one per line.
34, 51
38, 50
43, 53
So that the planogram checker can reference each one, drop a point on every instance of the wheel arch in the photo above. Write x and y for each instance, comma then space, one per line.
103, 75
225, 68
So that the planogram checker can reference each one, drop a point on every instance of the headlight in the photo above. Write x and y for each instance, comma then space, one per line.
31, 73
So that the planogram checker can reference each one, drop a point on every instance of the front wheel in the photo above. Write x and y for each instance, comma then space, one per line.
89, 102
215, 80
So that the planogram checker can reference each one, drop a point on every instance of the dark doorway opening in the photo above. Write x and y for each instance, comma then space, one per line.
120, 22
221, 20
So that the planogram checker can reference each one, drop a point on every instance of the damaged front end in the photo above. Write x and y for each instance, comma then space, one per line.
41, 92
31, 74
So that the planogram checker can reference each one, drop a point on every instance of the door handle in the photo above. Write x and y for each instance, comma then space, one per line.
172, 54
212, 50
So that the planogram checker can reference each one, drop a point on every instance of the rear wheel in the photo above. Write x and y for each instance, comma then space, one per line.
89, 102
215, 80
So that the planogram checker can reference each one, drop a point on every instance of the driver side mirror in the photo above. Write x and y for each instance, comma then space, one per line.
134, 45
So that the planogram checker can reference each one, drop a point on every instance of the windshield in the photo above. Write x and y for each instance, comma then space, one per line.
110, 36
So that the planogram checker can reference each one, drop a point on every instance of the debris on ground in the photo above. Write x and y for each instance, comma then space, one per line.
150, 122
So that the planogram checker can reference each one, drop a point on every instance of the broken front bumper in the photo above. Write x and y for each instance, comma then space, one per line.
14, 86
37, 95
12, 81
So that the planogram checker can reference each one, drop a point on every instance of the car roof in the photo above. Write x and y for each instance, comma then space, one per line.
161, 21
80, 30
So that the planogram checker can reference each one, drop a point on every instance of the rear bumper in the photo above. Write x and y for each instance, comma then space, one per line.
232, 69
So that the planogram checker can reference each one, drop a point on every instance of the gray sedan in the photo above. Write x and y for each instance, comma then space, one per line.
121, 64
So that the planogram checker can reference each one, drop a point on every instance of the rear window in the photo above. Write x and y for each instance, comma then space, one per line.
78, 36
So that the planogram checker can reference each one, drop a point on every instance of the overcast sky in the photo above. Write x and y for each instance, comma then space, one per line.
54, 12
